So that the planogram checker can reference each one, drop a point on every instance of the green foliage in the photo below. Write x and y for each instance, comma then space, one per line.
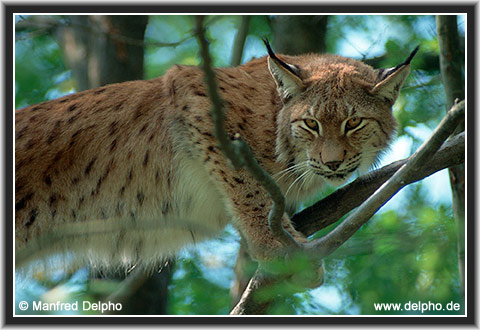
193, 294
64, 286
406, 253
39, 71
175, 30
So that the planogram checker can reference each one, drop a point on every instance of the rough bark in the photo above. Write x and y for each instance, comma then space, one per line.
451, 66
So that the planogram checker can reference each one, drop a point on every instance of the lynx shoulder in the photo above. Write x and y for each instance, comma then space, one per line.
131, 173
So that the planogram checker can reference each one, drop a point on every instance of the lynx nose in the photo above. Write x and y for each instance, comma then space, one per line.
333, 165
333, 155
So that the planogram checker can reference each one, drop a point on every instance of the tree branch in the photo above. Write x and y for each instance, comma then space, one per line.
249, 303
237, 151
239, 42
333, 207
451, 68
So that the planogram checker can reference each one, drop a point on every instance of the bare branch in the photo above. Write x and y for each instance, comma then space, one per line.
237, 151
249, 303
217, 111
333, 207
330, 242
239, 42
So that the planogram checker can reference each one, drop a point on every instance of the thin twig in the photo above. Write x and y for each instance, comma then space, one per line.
238, 152
217, 111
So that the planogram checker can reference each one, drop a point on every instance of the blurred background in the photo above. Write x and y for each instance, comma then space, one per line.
406, 252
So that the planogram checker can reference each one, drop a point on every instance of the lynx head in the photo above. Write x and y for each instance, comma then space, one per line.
336, 115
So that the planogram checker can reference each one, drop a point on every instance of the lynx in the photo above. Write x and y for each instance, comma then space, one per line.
135, 170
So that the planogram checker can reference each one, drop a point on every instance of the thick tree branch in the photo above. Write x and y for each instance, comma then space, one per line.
333, 207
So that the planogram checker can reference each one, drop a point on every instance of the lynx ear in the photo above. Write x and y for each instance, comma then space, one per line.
389, 81
286, 76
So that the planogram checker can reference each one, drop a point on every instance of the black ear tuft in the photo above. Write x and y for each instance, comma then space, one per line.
269, 48
409, 58
384, 73
288, 77
412, 54
274, 57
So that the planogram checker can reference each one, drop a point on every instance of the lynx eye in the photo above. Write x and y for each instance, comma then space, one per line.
352, 123
312, 124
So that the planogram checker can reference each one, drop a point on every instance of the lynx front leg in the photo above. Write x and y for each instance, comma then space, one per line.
250, 209
249, 206
298, 268
252, 221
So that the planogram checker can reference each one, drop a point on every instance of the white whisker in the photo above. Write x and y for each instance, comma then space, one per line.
302, 184
290, 171
299, 178
306, 182
290, 168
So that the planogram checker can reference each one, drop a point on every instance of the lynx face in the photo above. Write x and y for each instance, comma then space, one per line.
338, 138
337, 115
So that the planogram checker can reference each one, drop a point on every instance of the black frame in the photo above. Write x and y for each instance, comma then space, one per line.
468, 9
